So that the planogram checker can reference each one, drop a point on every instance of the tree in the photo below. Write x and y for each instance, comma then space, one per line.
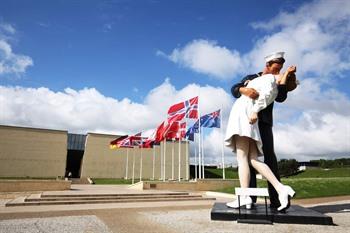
288, 167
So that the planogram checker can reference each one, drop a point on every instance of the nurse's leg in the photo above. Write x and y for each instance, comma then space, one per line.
261, 167
242, 151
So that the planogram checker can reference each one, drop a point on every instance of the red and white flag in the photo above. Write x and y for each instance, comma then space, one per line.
188, 109
171, 130
182, 131
159, 135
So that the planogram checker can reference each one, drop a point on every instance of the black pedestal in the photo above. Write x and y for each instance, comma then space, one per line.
295, 214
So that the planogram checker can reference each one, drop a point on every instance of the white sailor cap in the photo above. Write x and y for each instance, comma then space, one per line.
273, 56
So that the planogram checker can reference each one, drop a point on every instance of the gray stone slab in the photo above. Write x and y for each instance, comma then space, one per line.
76, 224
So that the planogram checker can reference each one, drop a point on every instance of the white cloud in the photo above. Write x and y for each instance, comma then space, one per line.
87, 110
314, 121
7, 28
207, 57
315, 133
319, 130
10, 62
314, 37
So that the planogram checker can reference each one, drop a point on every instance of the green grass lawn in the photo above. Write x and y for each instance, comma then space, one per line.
230, 173
310, 183
112, 181
311, 187
323, 173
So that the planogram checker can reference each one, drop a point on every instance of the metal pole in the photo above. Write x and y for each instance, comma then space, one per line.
154, 158
187, 156
127, 163
172, 161
133, 166
161, 149
203, 176
199, 146
179, 158
222, 149
141, 164
187, 162
164, 159
195, 159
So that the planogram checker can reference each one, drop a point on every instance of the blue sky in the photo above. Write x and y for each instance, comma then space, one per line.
111, 45
116, 66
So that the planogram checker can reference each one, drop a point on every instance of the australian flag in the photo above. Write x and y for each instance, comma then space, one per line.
211, 120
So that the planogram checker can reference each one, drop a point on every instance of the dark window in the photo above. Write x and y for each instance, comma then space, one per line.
76, 142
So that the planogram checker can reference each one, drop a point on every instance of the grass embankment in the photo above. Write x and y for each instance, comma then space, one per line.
111, 181
230, 173
311, 187
323, 173
314, 183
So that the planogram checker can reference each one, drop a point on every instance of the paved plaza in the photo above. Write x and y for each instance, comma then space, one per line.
174, 217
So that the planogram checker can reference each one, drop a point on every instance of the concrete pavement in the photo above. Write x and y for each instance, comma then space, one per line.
175, 217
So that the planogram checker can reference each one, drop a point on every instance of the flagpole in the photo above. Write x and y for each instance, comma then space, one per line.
195, 158
187, 159
222, 148
127, 163
179, 158
164, 159
187, 162
172, 160
133, 165
141, 161
161, 149
154, 158
203, 176
199, 144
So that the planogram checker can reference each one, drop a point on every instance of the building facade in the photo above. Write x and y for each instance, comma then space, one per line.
31, 152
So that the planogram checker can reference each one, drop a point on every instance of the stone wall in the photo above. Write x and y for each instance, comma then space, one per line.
29, 152
33, 185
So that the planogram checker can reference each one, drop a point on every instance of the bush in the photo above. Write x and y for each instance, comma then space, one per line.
323, 163
288, 167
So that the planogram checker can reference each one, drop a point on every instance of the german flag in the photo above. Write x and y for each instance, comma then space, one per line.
116, 143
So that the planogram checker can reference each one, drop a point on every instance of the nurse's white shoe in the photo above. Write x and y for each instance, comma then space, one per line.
284, 197
243, 201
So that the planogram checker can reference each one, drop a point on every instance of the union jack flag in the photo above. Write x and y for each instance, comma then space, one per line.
126, 141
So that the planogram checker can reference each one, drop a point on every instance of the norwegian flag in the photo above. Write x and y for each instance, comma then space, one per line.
188, 109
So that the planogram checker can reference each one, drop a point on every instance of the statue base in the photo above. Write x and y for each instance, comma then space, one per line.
258, 215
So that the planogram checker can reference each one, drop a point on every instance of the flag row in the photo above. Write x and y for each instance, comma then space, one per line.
173, 128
